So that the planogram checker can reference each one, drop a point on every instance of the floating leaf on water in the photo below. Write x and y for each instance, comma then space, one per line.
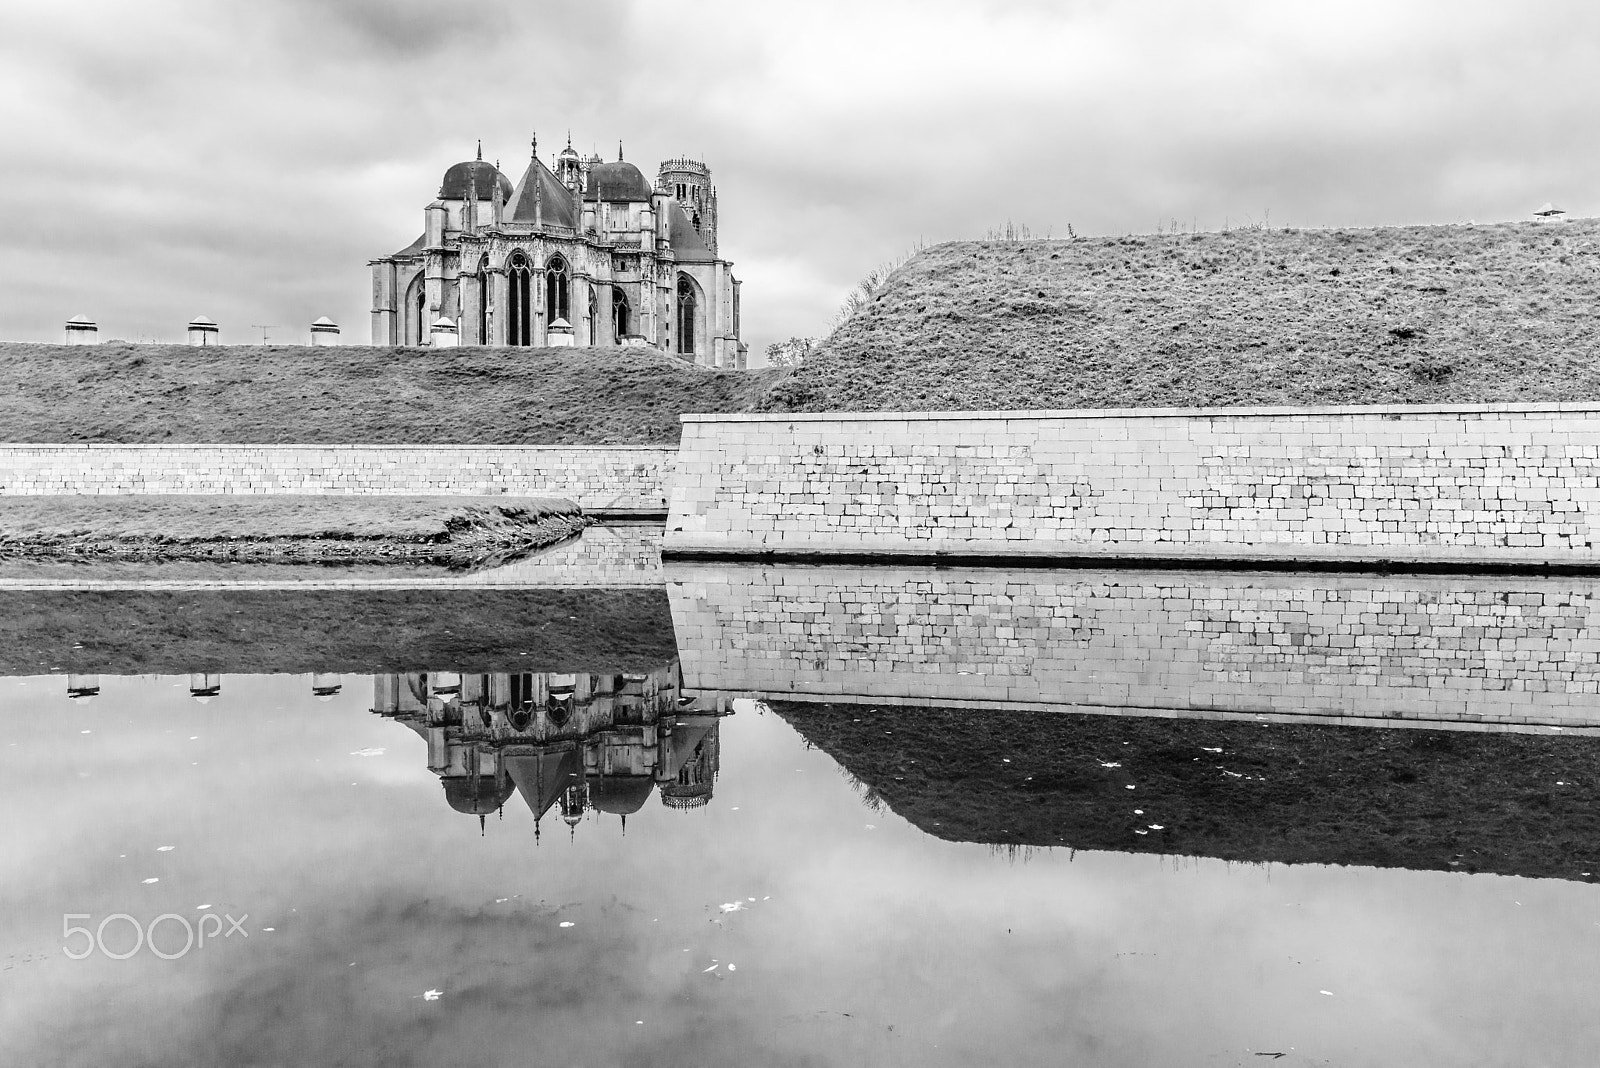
432, 995
165, 849
1110, 763
1209, 749
150, 880
568, 923
732, 906
1157, 827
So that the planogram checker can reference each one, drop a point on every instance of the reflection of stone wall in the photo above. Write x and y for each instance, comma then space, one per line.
1469, 481
596, 476
1481, 650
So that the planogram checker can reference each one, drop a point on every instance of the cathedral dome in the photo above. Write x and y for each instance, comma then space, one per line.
620, 795
474, 173
616, 181
476, 794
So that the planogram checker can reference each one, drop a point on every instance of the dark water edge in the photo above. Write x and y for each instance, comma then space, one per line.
1510, 804
129, 632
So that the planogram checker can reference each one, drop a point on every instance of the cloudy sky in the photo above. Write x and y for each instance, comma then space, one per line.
165, 159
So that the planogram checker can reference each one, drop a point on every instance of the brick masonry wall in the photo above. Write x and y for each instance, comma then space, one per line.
596, 477
1469, 481
1486, 652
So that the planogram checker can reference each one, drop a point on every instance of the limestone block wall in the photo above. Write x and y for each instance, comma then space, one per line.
1506, 652
597, 477
1469, 482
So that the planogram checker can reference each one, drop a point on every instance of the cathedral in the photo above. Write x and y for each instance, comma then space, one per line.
586, 252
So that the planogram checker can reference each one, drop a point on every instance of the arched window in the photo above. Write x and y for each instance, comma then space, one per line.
687, 307
555, 291
619, 315
483, 301
419, 303
519, 313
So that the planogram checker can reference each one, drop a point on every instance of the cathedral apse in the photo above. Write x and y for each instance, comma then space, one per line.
583, 251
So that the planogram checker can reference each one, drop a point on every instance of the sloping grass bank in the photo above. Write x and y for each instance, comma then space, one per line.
1448, 314
449, 531
247, 394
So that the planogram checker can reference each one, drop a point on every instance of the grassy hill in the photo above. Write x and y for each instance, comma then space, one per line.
1409, 314
128, 393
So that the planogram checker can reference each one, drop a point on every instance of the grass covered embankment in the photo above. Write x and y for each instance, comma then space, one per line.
448, 531
1417, 314
293, 394
1515, 804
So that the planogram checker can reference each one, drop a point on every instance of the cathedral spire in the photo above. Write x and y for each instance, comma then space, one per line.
536, 145
619, 151
480, 150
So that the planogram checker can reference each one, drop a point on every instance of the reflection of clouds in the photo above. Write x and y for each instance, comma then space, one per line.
993, 960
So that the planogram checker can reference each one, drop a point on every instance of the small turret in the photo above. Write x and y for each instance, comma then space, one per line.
569, 168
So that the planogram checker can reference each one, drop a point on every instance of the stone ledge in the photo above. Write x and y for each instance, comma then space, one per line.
1202, 558
1397, 410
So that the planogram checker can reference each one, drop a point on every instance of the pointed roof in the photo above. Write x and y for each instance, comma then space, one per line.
557, 205
412, 249
542, 776
686, 242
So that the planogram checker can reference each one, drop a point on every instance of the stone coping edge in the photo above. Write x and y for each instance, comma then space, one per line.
1582, 730
1396, 410
351, 446
1080, 559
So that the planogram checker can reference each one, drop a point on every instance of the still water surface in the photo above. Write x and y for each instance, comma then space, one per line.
669, 876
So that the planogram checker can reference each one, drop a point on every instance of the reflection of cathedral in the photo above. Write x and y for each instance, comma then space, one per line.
577, 743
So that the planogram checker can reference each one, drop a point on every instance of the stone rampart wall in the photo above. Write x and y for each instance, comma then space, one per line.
599, 477
1506, 651
1462, 482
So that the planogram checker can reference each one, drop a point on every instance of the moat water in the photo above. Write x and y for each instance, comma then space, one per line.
596, 811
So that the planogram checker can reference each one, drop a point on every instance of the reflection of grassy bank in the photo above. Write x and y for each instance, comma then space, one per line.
266, 631
1446, 800
449, 531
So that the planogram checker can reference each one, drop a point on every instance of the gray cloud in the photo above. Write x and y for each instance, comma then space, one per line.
244, 161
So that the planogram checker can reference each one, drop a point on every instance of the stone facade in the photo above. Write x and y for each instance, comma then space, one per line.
1466, 483
617, 478
1488, 652
582, 252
